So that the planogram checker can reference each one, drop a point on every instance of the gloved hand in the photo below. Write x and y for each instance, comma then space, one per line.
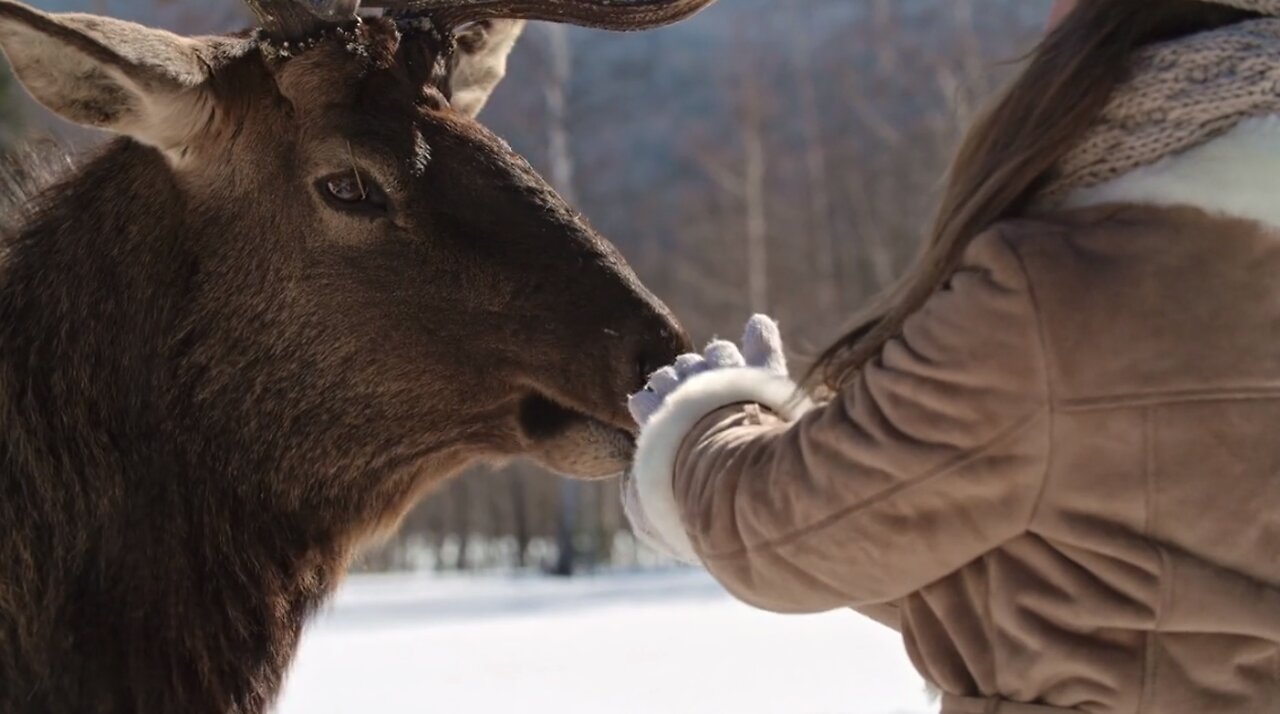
761, 349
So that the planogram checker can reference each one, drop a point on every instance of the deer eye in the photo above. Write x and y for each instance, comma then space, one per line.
353, 192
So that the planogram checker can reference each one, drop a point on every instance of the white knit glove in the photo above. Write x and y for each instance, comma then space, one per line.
761, 349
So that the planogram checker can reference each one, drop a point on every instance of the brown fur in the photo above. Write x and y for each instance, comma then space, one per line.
213, 386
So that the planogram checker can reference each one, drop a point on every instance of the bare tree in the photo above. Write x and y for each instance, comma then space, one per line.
825, 262
559, 151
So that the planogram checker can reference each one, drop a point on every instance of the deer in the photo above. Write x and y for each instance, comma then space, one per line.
298, 288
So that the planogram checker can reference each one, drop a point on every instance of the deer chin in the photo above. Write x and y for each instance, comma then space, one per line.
572, 443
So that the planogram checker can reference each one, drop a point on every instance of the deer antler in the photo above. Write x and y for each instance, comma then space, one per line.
297, 19
623, 15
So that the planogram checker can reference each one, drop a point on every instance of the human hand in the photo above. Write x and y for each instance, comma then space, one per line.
761, 349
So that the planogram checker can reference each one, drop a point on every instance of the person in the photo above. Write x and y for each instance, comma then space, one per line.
1048, 457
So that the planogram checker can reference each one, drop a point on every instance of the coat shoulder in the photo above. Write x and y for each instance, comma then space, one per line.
1151, 302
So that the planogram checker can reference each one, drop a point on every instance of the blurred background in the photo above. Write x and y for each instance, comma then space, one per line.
778, 156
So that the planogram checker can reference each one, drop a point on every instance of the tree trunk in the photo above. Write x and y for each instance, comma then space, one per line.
825, 258
556, 91
520, 516
560, 153
462, 514
567, 528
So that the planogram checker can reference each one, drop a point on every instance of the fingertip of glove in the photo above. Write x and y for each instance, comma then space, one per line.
690, 364
722, 353
762, 328
642, 406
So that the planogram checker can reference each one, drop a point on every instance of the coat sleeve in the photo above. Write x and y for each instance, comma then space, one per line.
934, 456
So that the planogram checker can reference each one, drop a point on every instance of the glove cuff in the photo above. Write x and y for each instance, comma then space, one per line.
660, 441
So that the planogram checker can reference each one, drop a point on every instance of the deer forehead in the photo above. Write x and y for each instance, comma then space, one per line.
342, 61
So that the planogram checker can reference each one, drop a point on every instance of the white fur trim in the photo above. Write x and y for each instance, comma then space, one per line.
1236, 174
662, 437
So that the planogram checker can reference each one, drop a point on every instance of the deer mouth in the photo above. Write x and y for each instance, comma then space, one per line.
571, 442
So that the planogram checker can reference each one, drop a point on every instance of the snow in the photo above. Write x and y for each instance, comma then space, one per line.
656, 643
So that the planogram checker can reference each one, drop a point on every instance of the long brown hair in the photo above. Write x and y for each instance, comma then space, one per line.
1008, 153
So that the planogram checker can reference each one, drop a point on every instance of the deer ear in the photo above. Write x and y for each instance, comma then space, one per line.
109, 74
481, 62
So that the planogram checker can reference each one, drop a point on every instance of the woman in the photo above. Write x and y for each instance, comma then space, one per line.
1049, 457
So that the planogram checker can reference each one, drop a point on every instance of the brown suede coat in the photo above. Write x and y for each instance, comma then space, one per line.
1062, 483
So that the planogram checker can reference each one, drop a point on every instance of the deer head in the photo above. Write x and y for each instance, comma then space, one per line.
375, 289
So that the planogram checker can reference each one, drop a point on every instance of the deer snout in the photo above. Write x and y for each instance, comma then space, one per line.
586, 431
658, 347
658, 340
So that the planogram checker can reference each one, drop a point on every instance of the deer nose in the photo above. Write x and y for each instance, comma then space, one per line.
669, 342
646, 365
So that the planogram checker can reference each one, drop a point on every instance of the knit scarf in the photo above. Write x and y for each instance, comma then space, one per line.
1179, 95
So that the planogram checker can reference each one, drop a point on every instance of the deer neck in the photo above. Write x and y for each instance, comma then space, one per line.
145, 561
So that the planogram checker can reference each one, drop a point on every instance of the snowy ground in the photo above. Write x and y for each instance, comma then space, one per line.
666, 643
